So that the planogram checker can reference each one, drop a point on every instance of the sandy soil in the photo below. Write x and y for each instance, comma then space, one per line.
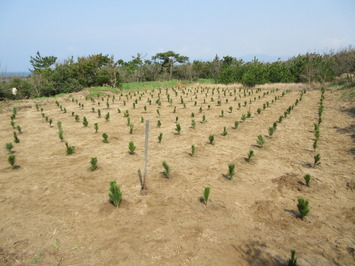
55, 211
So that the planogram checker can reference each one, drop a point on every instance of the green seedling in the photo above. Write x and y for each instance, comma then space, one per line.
85, 122
206, 194
12, 160
271, 131
131, 126
293, 260
104, 136
249, 114
167, 169
131, 147
178, 128
93, 163
307, 178
59, 124
16, 139
9, 146
302, 207
204, 119
107, 116
250, 155
193, 124
230, 109
160, 137
115, 195
211, 139
12, 123
260, 141
236, 124
60, 134
258, 111
231, 172
77, 118
158, 123
244, 117
316, 160
224, 133
222, 113
158, 112
193, 150
70, 149
19, 129
96, 127
99, 113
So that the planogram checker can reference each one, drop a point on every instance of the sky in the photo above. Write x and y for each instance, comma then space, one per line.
199, 29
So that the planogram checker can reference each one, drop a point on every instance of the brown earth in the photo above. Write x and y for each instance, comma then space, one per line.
55, 211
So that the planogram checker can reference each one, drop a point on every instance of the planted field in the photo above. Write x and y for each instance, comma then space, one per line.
227, 168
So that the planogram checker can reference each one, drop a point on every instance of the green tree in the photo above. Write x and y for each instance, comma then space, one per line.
168, 59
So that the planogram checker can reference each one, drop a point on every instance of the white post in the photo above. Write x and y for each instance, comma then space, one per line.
146, 152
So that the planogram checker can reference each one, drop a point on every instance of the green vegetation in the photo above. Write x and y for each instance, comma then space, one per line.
96, 126
60, 134
211, 139
85, 122
9, 146
16, 139
131, 147
70, 149
193, 150
115, 195
12, 160
260, 141
293, 260
93, 163
236, 124
307, 178
104, 136
231, 172
160, 137
316, 160
107, 116
225, 132
167, 169
302, 207
250, 155
178, 128
206, 194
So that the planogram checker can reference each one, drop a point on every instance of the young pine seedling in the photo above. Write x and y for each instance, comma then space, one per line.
225, 132
204, 119
131, 147
167, 169
315, 144
131, 126
302, 207
158, 123
230, 109
85, 122
193, 150
19, 129
178, 128
243, 117
142, 119
307, 178
77, 118
260, 141
211, 139
60, 134
93, 163
231, 172
50, 122
99, 113
70, 149
316, 160
258, 111
104, 136
271, 131
59, 125
236, 124
16, 139
12, 159
222, 113
249, 114
115, 195
107, 117
158, 112
9, 146
293, 260
206, 194
12, 124
250, 155
160, 137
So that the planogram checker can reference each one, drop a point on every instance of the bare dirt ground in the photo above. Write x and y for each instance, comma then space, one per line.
55, 211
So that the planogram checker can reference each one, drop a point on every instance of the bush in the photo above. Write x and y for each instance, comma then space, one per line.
271, 131
302, 207
115, 195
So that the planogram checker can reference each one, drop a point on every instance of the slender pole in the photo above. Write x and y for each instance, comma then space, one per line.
146, 151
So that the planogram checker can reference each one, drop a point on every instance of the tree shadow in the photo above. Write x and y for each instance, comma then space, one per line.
293, 212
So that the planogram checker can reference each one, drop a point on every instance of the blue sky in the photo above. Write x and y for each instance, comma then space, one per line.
199, 29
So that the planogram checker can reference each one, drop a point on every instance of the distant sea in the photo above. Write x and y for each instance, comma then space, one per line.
15, 74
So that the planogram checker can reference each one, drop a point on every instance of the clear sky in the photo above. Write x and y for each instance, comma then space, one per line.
199, 29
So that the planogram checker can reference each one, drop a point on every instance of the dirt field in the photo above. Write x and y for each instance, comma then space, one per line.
55, 211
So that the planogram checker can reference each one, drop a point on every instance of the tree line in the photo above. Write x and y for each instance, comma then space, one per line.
49, 77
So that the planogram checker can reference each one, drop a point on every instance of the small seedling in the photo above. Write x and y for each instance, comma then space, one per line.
204, 119
131, 147
178, 128
16, 139
158, 123
293, 260
206, 194
315, 144
107, 117
19, 129
250, 155
158, 112
236, 124
176, 119
12, 124
12, 159
167, 169
231, 172
105, 136
85, 122
9, 146
70, 149
302, 207
77, 118
230, 109
224, 133
131, 126
316, 160
93, 163
249, 114
243, 117
128, 121
211, 139
59, 124
115, 195
258, 111
193, 150
142, 119
60, 134
96, 126
260, 141
271, 131
98, 112
222, 113
160, 137
307, 178
280, 119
